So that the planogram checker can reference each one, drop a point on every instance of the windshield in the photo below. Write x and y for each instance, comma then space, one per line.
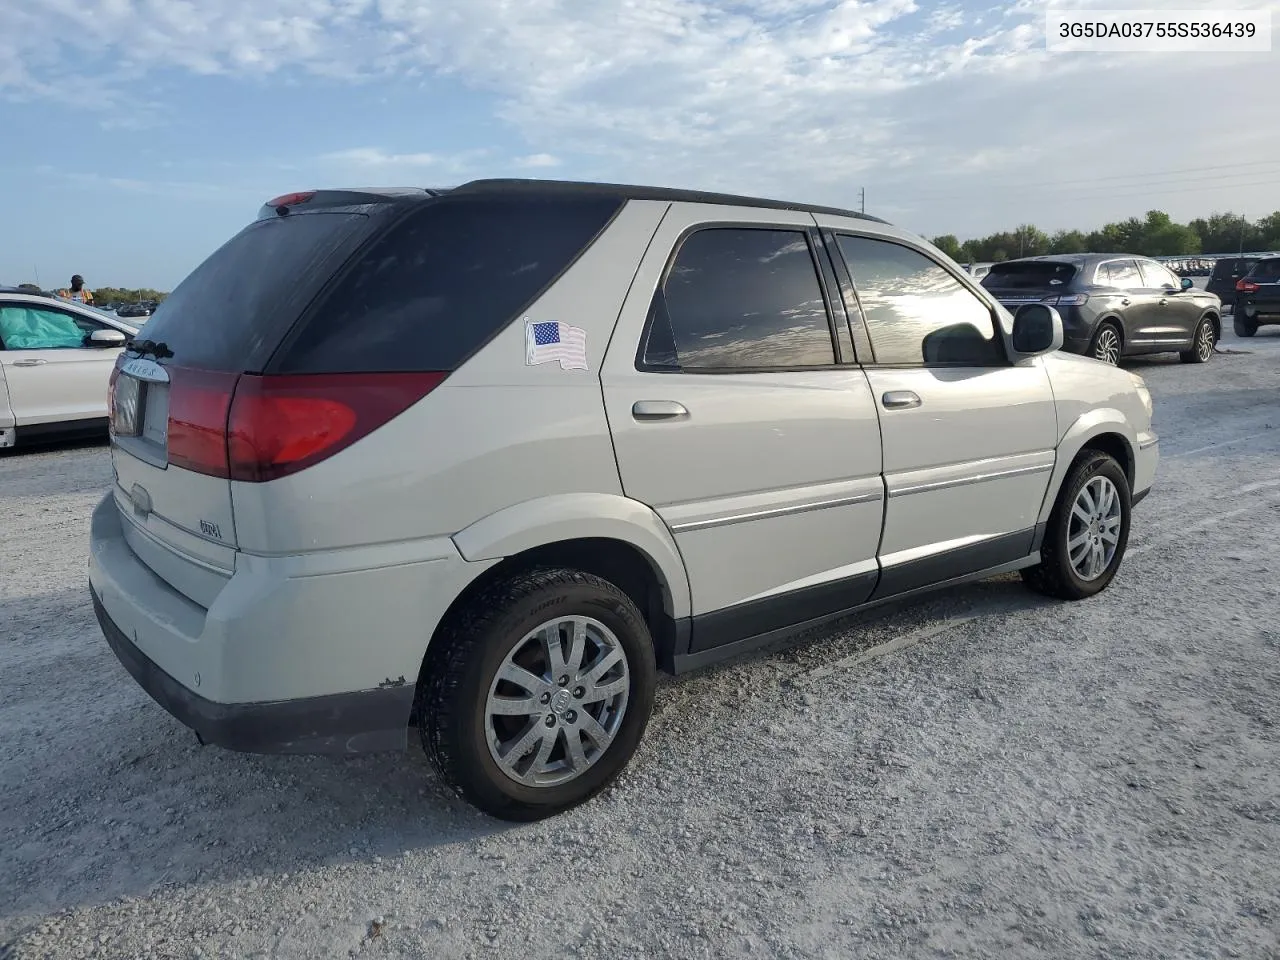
1031, 275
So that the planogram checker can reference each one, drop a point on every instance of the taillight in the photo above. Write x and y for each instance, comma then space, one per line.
198, 404
279, 425
1067, 300
111, 390
1246, 286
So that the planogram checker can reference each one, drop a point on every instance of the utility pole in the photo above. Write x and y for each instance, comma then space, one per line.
862, 199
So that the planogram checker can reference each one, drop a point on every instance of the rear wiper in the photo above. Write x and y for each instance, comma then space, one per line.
149, 348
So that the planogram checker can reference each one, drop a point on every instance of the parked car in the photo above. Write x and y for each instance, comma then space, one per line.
1227, 272
1114, 305
56, 359
134, 310
1258, 297
478, 462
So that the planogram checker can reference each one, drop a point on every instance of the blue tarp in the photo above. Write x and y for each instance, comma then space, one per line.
29, 328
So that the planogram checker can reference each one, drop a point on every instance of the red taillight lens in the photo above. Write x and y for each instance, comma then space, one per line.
279, 425
198, 405
1246, 286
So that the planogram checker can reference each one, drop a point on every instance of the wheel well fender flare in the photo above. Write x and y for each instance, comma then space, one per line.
1104, 428
577, 516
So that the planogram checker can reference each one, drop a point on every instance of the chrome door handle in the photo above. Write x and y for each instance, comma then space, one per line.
1163, 301
900, 400
658, 410
29, 363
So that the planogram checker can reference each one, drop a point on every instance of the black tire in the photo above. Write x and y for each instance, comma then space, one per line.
1244, 327
1099, 347
1202, 343
464, 659
1054, 575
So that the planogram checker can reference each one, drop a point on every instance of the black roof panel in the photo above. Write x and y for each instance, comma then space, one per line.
632, 192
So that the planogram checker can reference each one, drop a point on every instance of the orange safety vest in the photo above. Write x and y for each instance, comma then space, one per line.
81, 296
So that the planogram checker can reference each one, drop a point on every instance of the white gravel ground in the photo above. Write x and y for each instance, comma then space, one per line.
1012, 778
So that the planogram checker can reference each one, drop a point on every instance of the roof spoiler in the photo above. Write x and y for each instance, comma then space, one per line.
342, 197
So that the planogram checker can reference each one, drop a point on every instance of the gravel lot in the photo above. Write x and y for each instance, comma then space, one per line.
982, 774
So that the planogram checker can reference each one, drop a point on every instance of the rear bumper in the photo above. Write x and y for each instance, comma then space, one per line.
369, 720
306, 653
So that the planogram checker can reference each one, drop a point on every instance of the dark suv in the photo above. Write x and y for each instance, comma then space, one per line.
1114, 305
1226, 274
1258, 297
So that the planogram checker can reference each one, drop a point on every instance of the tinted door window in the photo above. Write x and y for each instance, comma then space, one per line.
441, 283
916, 311
1120, 273
740, 298
24, 327
1157, 276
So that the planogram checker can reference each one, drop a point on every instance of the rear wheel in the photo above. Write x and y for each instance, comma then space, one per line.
537, 695
1087, 533
1202, 345
1106, 344
1244, 327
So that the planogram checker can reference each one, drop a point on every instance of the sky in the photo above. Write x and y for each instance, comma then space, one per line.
138, 135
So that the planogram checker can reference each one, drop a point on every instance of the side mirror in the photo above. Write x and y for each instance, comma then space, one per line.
107, 338
1037, 329
1187, 283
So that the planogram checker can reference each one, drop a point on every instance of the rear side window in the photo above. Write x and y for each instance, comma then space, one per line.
442, 282
1231, 267
916, 312
1029, 275
1119, 273
1267, 271
739, 298
233, 309
1156, 276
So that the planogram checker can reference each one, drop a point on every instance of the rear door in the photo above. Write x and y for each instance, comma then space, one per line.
52, 376
735, 418
969, 437
1138, 306
1175, 314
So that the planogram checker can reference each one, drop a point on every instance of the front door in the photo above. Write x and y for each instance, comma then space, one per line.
52, 376
969, 438
734, 418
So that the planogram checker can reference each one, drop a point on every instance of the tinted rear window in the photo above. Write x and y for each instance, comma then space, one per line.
231, 312
1268, 270
442, 282
1231, 267
1033, 275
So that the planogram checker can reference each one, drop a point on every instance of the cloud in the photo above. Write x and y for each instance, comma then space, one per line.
808, 98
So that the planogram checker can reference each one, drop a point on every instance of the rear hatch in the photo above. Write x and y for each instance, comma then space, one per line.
172, 391
1227, 273
330, 315
1261, 285
1030, 281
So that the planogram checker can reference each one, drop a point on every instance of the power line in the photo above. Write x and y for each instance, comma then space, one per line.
1004, 188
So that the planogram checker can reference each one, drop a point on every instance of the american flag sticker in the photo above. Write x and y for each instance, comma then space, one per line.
550, 340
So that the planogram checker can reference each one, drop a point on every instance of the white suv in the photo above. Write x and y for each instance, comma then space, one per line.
480, 461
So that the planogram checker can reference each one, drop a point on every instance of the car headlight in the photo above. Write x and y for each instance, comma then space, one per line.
1144, 394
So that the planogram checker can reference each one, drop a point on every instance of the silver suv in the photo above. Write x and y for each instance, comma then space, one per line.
480, 461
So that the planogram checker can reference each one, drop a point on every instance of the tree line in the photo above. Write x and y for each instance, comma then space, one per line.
109, 295
1156, 235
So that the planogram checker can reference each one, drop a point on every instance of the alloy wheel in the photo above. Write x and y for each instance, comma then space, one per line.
1107, 347
1094, 529
557, 701
1205, 341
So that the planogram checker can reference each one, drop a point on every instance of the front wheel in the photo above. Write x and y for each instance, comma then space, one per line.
1202, 345
1087, 533
537, 695
1244, 327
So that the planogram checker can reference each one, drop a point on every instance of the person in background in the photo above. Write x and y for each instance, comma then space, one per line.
78, 292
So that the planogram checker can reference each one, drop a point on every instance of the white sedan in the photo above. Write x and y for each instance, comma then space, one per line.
56, 359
